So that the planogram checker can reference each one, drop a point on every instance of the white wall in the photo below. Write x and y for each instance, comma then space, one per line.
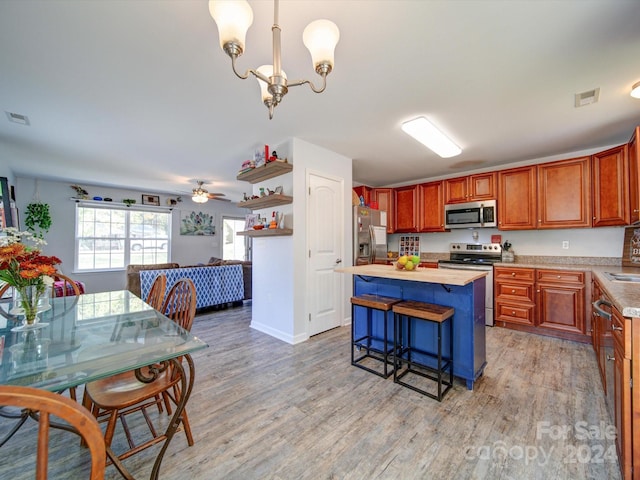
185, 250
280, 291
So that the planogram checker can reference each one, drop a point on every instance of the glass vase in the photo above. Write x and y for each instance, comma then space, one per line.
30, 300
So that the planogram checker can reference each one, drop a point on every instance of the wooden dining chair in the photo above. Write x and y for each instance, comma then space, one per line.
116, 397
46, 404
155, 298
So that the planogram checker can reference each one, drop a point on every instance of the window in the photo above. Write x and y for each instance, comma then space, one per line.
111, 238
235, 247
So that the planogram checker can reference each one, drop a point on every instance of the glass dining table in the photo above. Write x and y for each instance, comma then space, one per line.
83, 338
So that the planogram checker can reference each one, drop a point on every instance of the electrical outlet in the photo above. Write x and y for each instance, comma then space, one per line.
565, 244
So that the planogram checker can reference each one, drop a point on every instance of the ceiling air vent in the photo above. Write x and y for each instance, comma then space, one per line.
17, 118
587, 98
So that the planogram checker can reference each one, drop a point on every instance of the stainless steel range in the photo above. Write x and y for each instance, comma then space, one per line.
476, 256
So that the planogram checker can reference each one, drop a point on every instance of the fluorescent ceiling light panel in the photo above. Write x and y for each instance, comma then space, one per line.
426, 133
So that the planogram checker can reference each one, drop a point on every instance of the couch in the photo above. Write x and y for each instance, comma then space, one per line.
217, 283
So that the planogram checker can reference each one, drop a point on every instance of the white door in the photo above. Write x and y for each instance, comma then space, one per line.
326, 238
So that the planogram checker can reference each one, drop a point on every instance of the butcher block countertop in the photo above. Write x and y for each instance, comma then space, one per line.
427, 275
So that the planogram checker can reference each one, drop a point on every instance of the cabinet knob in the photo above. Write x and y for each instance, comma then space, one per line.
594, 218
513, 313
513, 274
559, 276
513, 291
615, 327
610, 358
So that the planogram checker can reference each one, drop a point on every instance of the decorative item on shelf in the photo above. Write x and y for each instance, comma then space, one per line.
97, 199
247, 165
28, 272
233, 19
262, 192
273, 157
274, 220
250, 220
278, 190
107, 199
128, 201
151, 200
81, 193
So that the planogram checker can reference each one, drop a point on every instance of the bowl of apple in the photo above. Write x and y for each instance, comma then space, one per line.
408, 262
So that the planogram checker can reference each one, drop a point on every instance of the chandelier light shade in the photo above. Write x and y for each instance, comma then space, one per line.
234, 17
635, 90
200, 195
426, 133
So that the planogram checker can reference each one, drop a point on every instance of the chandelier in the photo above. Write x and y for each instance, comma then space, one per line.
234, 17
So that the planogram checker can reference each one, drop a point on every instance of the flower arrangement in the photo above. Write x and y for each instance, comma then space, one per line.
24, 268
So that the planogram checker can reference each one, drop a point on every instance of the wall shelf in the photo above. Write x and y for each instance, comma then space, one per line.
269, 170
138, 206
267, 201
267, 232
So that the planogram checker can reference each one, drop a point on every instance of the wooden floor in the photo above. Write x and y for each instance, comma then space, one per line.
263, 409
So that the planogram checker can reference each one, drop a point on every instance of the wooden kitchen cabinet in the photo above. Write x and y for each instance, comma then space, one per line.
634, 176
610, 187
514, 296
364, 192
405, 201
543, 301
431, 207
472, 188
561, 300
517, 198
384, 197
564, 190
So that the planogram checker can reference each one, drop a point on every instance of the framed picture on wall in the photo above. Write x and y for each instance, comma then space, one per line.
151, 200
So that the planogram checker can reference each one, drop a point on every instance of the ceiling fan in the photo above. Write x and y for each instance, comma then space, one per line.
200, 195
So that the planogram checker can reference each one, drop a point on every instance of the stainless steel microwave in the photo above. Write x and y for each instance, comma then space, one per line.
471, 215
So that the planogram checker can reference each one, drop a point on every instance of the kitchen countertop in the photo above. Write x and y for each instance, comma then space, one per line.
624, 295
428, 275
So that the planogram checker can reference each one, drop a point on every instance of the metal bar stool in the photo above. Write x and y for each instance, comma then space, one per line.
403, 350
373, 347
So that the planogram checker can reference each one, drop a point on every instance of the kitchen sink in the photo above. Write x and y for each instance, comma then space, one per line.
623, 277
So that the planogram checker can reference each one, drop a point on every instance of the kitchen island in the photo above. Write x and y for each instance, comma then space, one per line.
461, 289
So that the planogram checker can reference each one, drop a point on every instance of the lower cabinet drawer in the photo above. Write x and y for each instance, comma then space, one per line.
514, 291
508, 312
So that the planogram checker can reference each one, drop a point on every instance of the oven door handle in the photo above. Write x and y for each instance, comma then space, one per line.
482, 268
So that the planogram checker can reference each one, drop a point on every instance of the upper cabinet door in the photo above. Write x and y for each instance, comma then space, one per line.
517, 198
473, 188
634, 180
610, 184
564, 194
431, 207
482, 186
406, 208
384, 197
455, 190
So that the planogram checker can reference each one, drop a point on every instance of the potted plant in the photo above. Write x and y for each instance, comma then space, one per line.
38, 218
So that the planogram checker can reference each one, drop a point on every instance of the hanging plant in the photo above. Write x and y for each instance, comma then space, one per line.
38, 219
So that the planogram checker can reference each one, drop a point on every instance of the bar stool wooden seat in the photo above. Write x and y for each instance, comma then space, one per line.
430, 365
370, 345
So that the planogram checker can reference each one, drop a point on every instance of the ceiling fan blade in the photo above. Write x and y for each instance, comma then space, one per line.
220, 199
216, 194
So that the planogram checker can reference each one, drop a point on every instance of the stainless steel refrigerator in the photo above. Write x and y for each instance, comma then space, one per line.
369, 236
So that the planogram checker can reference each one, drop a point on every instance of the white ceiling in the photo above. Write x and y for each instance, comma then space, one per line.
139, 94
